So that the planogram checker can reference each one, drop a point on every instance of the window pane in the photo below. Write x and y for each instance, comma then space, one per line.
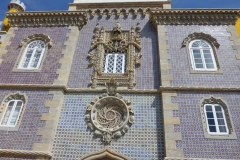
212, 129
199, 65
210, 66
119, 63
222, 129
110, 63
198, 60
208, 108
7, 114
208, 60
209, 114
221, 122
206, 51
15, 116
219, 115
35, 60
204, 44
207, 56
196, 51
218, 108
196, 44
211, 122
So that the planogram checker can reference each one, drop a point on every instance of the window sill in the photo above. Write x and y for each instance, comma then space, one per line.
219, 71
26, 70
8, 128
220, 136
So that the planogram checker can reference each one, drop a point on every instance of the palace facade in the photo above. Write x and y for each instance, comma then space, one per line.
120, 80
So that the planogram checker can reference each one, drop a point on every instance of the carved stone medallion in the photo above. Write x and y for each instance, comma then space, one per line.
109, 116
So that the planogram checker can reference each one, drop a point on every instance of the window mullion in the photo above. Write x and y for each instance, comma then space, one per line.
123, 62
106, 63
115, 63
215, 118
31, 59
192, 58
203, 58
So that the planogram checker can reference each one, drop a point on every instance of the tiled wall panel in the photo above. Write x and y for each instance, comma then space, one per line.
147, 75
25, 137
50, 63
193, 142
143, 141
180, 60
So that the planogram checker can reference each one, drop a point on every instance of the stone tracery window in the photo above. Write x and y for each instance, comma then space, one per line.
115, 55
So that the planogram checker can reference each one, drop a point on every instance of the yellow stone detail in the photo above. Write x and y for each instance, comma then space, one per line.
5, 21
237, 25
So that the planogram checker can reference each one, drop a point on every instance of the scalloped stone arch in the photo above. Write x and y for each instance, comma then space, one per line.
107, 154
45, 38
206, 37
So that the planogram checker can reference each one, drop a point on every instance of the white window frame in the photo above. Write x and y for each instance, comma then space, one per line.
115, 62
11, 113
215, 120
202, 56
20, 66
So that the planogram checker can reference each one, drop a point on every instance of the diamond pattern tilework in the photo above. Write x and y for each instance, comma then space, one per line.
25, 137
50, 61
193, 142
180, 63
143, 141
147, 76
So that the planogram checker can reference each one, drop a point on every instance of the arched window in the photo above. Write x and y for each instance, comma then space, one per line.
114, 63
202, 56
12, 113
215, 119
32, 56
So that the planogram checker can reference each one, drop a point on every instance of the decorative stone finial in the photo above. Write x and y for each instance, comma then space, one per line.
17, 4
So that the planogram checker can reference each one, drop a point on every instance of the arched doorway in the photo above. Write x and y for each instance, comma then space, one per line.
105, 154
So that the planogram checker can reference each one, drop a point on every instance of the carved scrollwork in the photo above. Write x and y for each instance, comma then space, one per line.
16, 96
201, 35
44, 38
109, 116
115, 41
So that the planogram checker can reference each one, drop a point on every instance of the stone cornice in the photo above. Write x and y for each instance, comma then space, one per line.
194, 17
137, 91
47, 19
117, 9
8, 152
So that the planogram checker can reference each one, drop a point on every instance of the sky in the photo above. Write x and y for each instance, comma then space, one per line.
46, 5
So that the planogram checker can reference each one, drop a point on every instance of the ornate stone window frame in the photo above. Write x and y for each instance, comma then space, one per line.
212, 100
105, 153
24, 43
3, 107
116, 40
214, 45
